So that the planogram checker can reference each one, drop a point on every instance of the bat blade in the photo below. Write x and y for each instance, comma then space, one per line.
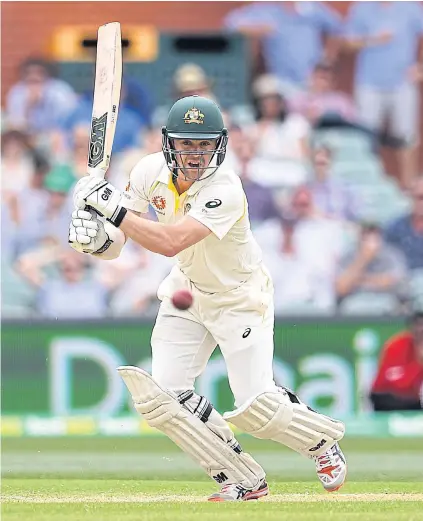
108, 80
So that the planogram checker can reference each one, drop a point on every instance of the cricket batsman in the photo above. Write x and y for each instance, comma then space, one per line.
203, 220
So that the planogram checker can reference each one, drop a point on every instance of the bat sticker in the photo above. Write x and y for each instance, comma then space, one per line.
98, 134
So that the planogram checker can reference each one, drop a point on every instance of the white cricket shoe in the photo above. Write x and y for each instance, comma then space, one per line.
239, 493
331, 468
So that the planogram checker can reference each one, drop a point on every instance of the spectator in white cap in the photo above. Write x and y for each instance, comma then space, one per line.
190, 79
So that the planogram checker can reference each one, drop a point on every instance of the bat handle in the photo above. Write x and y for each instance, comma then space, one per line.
96, 172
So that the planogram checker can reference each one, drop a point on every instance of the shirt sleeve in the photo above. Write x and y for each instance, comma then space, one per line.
355, 25
397, 263
392, 233
135, 197
418, 17
219, 208
15, 106
330, 20
252, 15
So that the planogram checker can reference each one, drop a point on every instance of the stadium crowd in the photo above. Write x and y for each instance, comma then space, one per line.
338, 234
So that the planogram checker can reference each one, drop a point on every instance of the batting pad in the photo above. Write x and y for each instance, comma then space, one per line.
273, 416
163, 411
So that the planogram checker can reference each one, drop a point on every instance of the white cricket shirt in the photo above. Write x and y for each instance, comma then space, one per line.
229, 255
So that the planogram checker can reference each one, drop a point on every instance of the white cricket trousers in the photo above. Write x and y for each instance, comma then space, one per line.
240, 321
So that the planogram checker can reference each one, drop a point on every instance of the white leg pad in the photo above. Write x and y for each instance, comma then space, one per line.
273, 416
163, 411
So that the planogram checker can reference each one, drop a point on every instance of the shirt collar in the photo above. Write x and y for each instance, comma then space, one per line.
165, 177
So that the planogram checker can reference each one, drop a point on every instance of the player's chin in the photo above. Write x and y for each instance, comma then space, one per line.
193, 173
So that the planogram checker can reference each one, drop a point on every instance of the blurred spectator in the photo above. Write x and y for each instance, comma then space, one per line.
38, 102
406, 233
45, 216
386, 36
190, 79
260, 199
31, 203
332, 198
74, 293
398, 385
128, 127
18, 168
137, 98
371, 276
322, 98
17, 295
302, 270
17, 165
280, 133
133, 280
77, 155
291, 35
280, 137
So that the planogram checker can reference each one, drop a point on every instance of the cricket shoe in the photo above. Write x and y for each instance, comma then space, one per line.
331, 468
239, 493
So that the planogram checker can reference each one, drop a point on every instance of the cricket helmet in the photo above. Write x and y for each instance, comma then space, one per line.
195, 118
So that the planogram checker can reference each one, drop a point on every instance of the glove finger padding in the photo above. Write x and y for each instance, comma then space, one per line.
75, 238
87, 232
83, 214
85, 224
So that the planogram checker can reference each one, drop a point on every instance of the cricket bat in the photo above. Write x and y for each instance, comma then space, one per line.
108, 80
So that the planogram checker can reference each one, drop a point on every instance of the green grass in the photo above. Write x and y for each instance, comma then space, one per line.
66, 500
158, 458
149, 479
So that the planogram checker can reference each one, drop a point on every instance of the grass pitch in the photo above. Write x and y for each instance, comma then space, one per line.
149, 479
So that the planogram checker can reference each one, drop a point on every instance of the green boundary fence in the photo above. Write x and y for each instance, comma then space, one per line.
63, 375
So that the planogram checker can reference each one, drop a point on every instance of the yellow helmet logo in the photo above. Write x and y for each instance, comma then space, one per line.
194, 116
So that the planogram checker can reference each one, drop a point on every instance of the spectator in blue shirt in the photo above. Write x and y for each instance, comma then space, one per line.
74, 294
386, 36
291, 36
333, 198
38, 102
406, 233
128, 127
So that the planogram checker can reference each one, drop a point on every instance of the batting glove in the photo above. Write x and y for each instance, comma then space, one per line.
102, 196
87, 233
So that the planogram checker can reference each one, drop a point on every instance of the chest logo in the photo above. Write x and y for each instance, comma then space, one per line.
159, 202
187, 208
394, 373
194, 116
213, 204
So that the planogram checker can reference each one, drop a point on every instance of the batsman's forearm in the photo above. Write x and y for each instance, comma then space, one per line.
153, 236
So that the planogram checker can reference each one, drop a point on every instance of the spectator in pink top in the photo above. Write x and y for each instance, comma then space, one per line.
322, 98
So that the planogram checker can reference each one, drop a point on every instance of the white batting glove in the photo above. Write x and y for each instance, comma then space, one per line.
102, 196
87, 233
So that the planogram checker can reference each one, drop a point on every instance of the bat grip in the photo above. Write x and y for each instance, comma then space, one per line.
96, 172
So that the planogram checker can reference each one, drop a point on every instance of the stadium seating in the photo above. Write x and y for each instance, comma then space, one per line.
369, 304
